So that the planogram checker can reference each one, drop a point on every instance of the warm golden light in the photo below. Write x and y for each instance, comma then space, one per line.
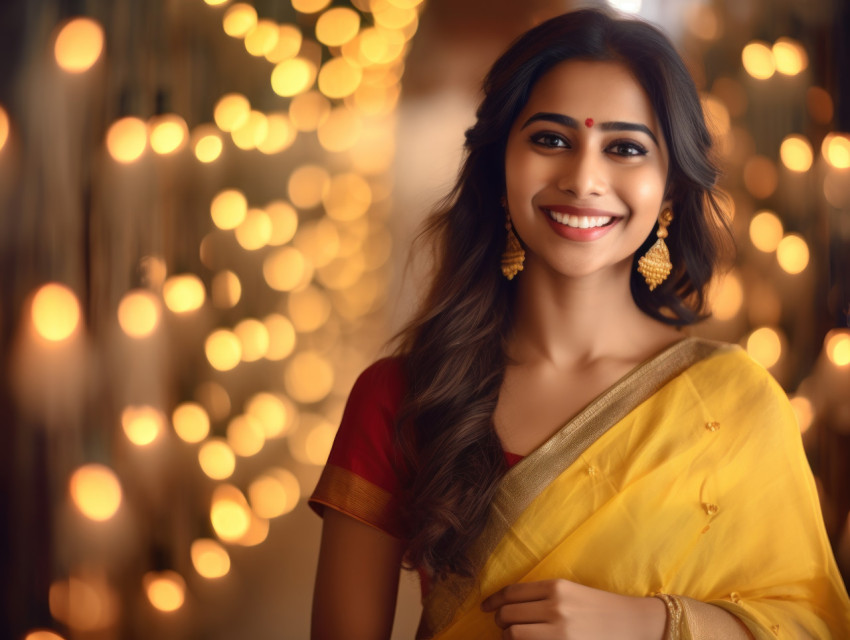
281, 337
790, 56
341, 131
127, 139
229, 514
727, 297
142, 424
85, 602
166, 590
288, 44
239, 19
309, 6
271, 413
758, 60
42, 634
223, 349
168, 133
4, 127
309, 309
79, 45
337, 26
820, 106
391, 16
837, 347
95, 491
228, 209
836, 150
254, 338
280, 134
309, 377
214, 398
206, 143
274, 493
217, 459
796, 153
284, 221
255, 230
348, 197
319, 241
760, 176
262, 39
701, 20
55, 312
252, 132
766, 231
231, 111
793, 253
245, 436
191, 422
209, 558
138, 313
765, 346
216, 3
307, 186
716, 115
183, 293
226, 290
293, 76
286, 268
803, 411
339, 78
258, 531
309, 110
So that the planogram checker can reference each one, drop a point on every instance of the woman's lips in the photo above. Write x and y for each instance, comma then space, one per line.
579, 224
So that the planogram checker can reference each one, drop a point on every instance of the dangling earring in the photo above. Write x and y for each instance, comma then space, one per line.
655, 265
513, 255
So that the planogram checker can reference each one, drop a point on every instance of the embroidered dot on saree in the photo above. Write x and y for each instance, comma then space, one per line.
712, 426
735, 597
710, 508
775, 629
591, 471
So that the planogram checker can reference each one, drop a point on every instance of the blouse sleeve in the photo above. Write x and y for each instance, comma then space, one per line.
362, 477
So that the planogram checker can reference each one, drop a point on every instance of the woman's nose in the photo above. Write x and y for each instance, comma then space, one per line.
583, 175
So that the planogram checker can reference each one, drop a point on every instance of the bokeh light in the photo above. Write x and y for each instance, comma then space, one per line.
184, 293
209, 558
339, 78
166, 590
271, 412
127, 139
217, 459
293, 76
793, 253
255, 230
341, 131
214, 398
309, 110
803, 411
765, 346
837, 347
726, 296
191, 422
252, 132
168, 133
337, 26
766, 231
55, 312
262, 39
254, 338
758, 60
760, 176
239, 20
206, 143
231, 111
281, 336
835, 149
142, 424
348, 197
312, 442
309, 6
228, 209
85, 602
245, 435
309, 377
284, 221
796, 153
4, 127
274, 493
286, 269
280, 134
42, 634
95, 491
309, 309
226, 290
138, 313
78, 45
288, 44
820, 106
229, 514
790, 56
223, 349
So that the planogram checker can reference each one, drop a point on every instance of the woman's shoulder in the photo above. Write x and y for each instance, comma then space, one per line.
384, 379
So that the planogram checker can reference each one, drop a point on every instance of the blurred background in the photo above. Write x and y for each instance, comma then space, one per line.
206, 208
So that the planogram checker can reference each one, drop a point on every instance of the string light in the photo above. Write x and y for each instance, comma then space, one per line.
55, 312
239, 20
793, 253
96, 491
765, 346
138, 313
127, 139
183, 293
217, 459
206, 143
142, 424
191, 422
168, 133
796, 153
790, 56
758, 60
837, 347
4, 127
228, 209
766, 231
836, 150
166, 590
209, 558
79, 45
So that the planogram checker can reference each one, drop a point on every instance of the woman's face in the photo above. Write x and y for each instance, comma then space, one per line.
585, 168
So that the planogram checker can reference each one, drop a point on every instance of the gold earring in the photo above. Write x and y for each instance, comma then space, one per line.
513, 255
655, 265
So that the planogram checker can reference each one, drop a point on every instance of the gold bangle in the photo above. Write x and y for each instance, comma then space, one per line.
672, 630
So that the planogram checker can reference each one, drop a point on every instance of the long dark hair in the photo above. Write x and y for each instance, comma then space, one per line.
454, 348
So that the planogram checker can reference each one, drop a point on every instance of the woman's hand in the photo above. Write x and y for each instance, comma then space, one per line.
563, 610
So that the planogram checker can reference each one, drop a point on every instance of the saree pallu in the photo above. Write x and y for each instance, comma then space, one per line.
688, 477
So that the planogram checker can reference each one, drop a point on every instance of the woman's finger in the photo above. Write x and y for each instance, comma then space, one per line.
532, 632
525, 592
526, 613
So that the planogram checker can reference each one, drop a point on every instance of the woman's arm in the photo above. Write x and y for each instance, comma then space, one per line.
356, 582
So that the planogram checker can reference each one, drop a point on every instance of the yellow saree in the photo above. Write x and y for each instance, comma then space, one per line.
688, 477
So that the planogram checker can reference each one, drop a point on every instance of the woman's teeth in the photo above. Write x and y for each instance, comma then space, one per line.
578, 222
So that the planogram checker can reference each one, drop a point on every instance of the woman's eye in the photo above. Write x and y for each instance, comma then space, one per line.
627, 149
549, 140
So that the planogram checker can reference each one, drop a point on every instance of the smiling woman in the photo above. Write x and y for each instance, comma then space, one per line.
548, 449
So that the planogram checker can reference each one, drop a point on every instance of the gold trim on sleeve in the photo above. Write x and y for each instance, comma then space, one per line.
705, 621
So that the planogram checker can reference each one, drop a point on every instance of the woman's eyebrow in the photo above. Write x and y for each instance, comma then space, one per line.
572, 123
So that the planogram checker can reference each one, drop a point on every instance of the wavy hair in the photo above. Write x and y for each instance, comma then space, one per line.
454, 347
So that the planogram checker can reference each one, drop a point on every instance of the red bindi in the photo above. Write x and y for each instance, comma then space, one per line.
588, 123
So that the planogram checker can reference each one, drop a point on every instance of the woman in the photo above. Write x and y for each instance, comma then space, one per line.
547, 449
